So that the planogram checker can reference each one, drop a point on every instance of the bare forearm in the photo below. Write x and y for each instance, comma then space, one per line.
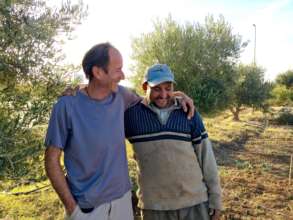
56, 176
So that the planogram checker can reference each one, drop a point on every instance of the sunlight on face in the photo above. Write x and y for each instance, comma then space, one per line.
115, 66
161, 95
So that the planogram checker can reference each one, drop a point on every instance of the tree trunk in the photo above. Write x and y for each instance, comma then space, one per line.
235, 111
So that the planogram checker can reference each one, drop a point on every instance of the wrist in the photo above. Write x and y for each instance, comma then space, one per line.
70, 208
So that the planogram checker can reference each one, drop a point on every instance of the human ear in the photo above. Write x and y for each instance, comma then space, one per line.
145, 86
96, 72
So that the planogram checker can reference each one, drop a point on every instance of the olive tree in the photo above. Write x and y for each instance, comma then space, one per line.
202, 56
31, 77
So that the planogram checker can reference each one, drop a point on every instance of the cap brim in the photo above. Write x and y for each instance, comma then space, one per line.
162, 80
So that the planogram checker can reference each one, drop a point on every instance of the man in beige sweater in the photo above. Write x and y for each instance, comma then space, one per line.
178, 177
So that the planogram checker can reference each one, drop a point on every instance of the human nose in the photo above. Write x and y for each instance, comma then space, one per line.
163, 94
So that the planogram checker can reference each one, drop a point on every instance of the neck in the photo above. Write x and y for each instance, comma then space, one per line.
97, 91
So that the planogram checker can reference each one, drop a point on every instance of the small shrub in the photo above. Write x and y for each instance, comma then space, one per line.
285, 117
240, 164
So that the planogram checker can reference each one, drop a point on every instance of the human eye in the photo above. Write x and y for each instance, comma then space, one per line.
157, 89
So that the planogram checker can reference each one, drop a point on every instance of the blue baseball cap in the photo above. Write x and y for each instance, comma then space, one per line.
158, 74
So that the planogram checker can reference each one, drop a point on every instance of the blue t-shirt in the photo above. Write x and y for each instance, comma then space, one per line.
91, 134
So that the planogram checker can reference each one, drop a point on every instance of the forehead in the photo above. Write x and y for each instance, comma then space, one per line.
163, 85
114, 55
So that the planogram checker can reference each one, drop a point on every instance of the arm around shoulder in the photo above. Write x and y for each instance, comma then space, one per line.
130, 97
186, 103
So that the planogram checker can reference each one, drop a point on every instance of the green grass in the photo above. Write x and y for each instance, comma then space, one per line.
39, 205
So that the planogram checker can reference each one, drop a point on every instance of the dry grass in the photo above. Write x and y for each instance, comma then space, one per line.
254, 165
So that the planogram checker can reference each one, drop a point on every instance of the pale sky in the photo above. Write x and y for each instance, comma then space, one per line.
117, 21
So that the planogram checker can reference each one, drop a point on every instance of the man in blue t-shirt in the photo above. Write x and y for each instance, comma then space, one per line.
89, 129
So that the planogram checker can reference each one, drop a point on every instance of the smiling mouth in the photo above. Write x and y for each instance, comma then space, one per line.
162, 101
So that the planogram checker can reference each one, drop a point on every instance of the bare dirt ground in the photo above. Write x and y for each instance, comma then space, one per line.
254, 160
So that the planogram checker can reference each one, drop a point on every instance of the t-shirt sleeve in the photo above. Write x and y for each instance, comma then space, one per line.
130, 98
59, 125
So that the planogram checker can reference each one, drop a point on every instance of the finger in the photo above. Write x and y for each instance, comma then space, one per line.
66, 92
76, 87
190, 113
184, 106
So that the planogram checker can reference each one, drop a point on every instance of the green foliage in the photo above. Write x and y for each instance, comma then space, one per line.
284, 117
240, 164
249, 90
201, 56
282, 93
285, 79
31, 78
